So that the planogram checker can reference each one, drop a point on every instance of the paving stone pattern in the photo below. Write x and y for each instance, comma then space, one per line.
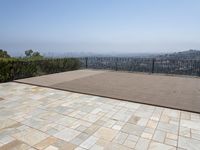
37, 118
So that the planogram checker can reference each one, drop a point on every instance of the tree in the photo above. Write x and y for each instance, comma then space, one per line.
36, 54
29, 53
33, 55
4, 54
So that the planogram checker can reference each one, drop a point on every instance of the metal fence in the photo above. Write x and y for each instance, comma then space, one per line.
167, 66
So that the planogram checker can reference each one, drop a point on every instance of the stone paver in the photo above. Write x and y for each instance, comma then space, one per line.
39, 118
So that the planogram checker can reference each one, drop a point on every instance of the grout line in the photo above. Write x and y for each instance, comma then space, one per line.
179, 123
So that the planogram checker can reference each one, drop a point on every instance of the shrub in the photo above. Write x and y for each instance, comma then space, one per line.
11, 69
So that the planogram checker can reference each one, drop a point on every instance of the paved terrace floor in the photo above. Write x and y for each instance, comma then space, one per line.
38, 118
168, 91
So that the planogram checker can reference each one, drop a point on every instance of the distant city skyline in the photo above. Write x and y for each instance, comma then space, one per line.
99, 26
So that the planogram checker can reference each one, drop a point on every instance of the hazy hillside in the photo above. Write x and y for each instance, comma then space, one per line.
190, 54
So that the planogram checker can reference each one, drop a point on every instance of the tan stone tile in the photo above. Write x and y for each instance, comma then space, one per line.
120, 137
152, 124
31, 136
51, 148
115, 146
45, 143
172, 136
184, 131
15, 145
133, 137
106, 133
134, 119
87, 144
7, 123
159, 136
80, 138
102, 142
149, 130
67, 134
160, 146
96, 147
132, 129
63, 145
171, 142
188, 143
92, 129
146, 135
142, 144
196, 136
116, 127
129, 143
185, 115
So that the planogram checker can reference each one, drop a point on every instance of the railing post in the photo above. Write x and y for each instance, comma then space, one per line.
86, 62
153, 63
116, 67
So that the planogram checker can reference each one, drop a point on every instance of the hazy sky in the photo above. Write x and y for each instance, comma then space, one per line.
134, 26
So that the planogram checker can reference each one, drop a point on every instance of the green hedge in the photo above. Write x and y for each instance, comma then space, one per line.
11, 69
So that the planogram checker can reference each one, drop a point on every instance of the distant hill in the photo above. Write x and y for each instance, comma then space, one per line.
190, 54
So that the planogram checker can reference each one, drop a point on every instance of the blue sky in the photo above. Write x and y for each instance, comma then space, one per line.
107, 26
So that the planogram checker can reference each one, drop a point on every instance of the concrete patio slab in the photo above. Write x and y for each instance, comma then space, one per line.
49, 80
168, 91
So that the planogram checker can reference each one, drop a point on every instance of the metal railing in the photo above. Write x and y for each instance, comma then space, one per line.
151, 65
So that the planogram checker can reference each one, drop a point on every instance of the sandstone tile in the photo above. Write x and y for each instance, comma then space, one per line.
142, 144
45, 143
152, 124
6, 139
79, 139
15, 145
132, 129
133, 137
117, 127
87, 144
129, 143
188, 143
172, 136
92, 129
66, 121
149, 130
185, 115
51, 148
91, 118
96, 147
120, 137
31, 136
106, 133
171, 142
7, 123
81, 128
168, 127
79, 148
67, 134
196, 136
115, 146
63, 145
146, 135
102, 142
159, 136
190, 124
122, 115
109, 123
134, 119
160, 146
184, 131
